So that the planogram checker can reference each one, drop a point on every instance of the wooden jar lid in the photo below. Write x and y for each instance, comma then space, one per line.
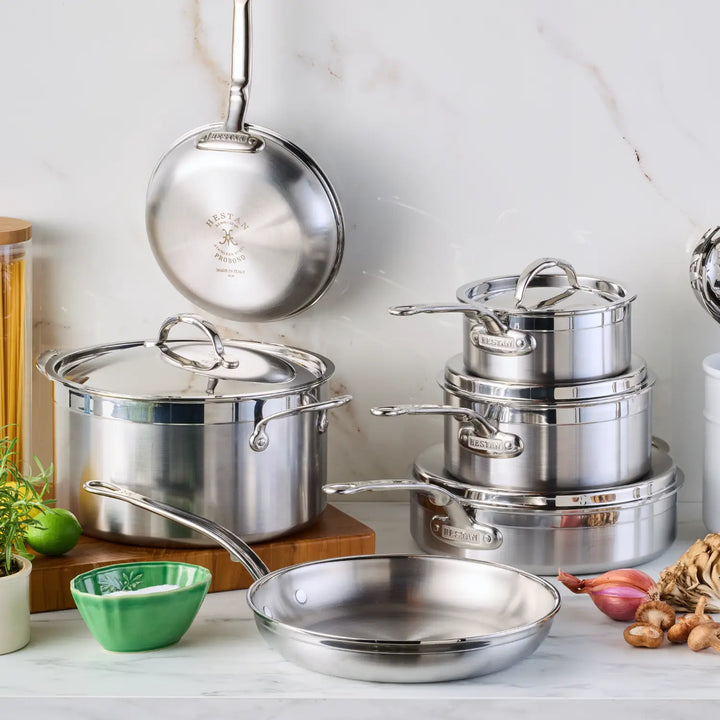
13, 230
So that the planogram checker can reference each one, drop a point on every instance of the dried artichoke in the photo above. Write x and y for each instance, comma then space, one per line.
696, 574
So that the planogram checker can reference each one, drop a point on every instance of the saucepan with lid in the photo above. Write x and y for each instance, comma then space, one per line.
233, 429
242, 221
543, 438
580, 531
385, 618
542, 328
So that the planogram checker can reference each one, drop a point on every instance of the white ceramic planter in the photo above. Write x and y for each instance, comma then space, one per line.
15, 609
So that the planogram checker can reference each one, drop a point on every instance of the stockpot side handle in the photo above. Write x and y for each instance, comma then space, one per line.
206, 327
490, 536
481, 437
259, 439
239, 550
534, 269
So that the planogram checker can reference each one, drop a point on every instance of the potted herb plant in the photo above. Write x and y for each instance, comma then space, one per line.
21, 498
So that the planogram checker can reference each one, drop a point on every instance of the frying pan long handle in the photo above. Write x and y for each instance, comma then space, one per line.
240, 67
239, 550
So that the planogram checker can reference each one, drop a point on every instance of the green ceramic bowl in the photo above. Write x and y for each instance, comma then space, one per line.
125, 614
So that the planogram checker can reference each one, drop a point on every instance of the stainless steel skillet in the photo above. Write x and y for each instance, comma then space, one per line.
242, 221
385, 618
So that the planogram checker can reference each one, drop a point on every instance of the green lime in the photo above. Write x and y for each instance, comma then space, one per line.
57, 532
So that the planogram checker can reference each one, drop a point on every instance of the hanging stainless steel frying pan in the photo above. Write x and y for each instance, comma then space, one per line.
242, 221
386, 618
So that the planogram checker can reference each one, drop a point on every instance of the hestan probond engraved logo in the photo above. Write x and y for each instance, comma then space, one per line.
229, 251
495, 342
461, 535
487, 445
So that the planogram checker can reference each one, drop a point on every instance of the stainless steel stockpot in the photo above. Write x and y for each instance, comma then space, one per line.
580, 532
540, 438
232, 429
542, 328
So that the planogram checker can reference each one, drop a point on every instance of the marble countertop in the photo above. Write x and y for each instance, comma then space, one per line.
222, 666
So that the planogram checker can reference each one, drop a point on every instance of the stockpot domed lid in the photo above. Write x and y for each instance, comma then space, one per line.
457, 380
184, 369
533, 293
664, 477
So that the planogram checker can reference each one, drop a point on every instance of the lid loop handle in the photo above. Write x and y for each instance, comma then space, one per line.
534, 269
209, 329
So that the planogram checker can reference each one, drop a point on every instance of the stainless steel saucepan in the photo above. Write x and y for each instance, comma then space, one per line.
385, 618
541, 328
242, 221
543, 438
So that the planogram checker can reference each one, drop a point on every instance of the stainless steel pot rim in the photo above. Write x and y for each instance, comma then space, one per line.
415, 647
636, 379
497, 294
139, 371
664, 478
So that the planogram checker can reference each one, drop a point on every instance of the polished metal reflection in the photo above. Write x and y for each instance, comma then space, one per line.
540, 445
540, 328
233, 430
614, 529
705, 272
387, 618
242, 221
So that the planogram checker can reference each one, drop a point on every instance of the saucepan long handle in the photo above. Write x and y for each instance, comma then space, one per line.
485, 537
239, 550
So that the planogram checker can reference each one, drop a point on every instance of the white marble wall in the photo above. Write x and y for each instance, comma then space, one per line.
464, 139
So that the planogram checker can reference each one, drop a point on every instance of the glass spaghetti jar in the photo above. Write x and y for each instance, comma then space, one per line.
15, 334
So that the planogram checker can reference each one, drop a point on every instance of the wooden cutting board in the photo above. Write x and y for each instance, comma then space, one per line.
335, 534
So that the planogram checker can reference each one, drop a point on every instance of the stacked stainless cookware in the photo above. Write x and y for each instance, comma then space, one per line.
548, 458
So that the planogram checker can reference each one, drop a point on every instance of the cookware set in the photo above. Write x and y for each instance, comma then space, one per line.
548, 447
547, 457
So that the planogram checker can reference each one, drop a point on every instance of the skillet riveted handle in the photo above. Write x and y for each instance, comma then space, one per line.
234, 136
483, 535
259, 439
239, 550
476, 432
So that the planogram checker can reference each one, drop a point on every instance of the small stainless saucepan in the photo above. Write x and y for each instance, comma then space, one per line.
385, 618
541, 328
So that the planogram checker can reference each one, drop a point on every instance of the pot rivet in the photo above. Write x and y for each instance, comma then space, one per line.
520, 343
301, 596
